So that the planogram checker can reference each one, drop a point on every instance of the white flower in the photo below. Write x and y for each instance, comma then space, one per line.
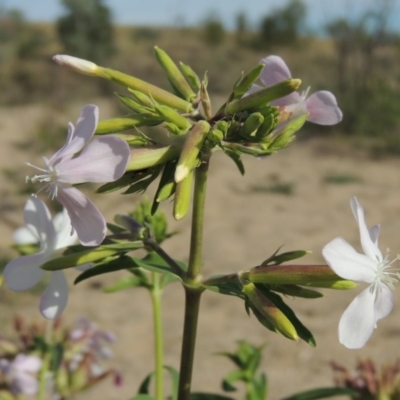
100, 160
374, 303
24, 272
21, 373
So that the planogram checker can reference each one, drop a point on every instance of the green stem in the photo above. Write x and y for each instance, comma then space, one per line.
158, 337
192, 283
46, 361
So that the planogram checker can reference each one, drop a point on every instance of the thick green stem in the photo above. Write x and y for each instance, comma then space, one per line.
192, 283
158, 337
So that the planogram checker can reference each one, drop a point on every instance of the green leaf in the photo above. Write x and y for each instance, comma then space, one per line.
284, 257
153, 262
323, 393
208, 396
230, 288
301, 330
174, 381
235, 157
231, 377
148, 177
127, 179
260, 387
114, 264
145, 385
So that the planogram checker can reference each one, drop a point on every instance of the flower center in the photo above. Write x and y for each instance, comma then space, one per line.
384, 274
49, 176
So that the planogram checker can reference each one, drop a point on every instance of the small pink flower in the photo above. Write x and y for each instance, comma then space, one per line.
100, 160
321, 106
24, 272
21, 373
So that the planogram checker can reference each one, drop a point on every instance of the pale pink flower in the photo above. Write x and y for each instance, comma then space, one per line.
100, 160
321, 106
21, 374
375, 302
24, 272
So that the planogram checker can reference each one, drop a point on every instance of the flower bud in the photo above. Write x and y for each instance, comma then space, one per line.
303, 275
174, 75
250, 126
124, 123
183, 192
191, 76
147, 157
246, 81
191, 149
173, 117
275, 319
77, 64
263, 96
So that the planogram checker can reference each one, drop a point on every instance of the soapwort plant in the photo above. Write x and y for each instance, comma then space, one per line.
260, 117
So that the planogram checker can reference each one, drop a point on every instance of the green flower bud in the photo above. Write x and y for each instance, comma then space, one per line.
172, 116
135, 106
274, 317
122, 124
183, 192
246, 81
263, 96
142, 98
188, 159
191, 76
250, 126
150, 156
303, 275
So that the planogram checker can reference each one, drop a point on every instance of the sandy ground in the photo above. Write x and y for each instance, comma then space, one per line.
243, 227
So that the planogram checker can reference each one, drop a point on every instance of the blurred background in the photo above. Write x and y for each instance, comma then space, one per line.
350, 47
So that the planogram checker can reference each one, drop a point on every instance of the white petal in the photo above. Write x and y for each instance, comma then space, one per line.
27, 363
383, 302
358, 321
26, 384
24, 235
65, 234
275, 70
104, 159
369, 247
84, 130
291, 99
347, 263
323, 108
86, 219
55, 297
374, 233
24, 272
38, 220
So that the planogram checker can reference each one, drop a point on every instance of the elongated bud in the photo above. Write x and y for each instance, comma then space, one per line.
303, 275
250, 126
122, 124
191, 149
183, 192
150, 156
191, 76
77, 64
266, 127
158, 94
263, 96
245, 83
275, 318
89, 256
174, 75
172, 116
205, 101
135, 106
142, 98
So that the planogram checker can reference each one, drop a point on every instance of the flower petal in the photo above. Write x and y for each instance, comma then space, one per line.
254, 88
293, 99
25, 383
275, 70
78, 137
104, 159
86, 219
38, 220
358, 321
323, 108
383, 302
23, 273
347, 263
24, 235
369, 246
27, 363
55, 297
65, 234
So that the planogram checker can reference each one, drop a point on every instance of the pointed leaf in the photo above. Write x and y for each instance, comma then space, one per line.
235, 157
323, 393
112, 265
174, 381
208, 396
